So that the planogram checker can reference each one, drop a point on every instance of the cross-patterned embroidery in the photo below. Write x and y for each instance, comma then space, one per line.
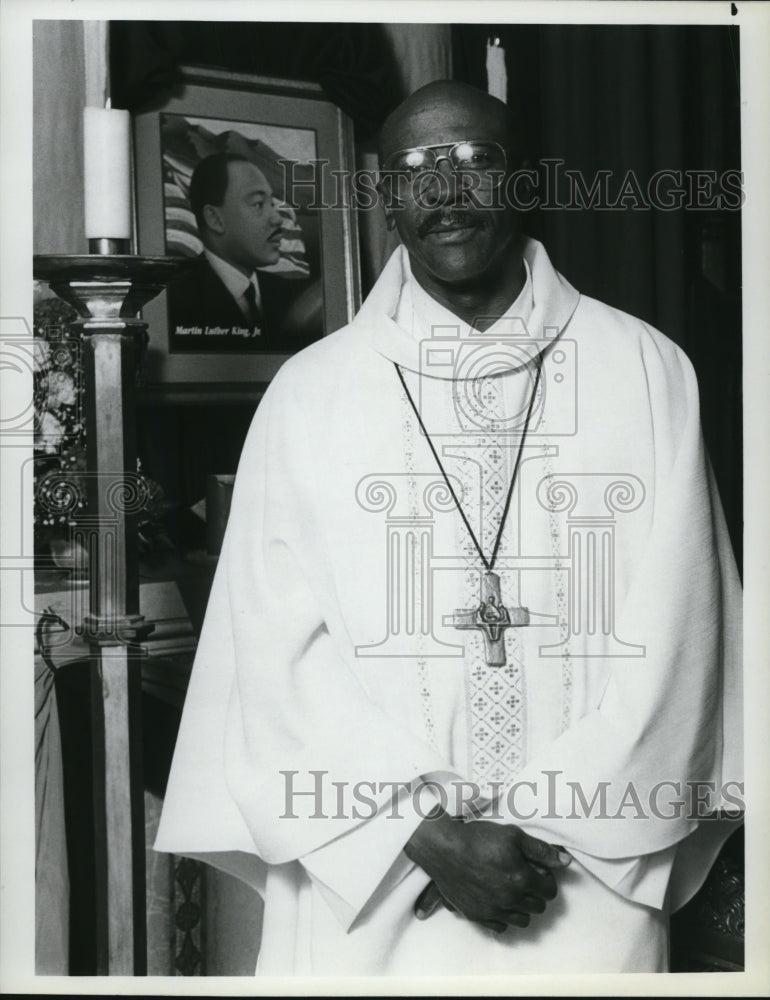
494, 693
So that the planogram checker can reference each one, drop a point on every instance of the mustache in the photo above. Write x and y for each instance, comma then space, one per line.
445, 218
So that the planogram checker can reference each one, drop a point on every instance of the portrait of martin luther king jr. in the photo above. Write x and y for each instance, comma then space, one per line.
223, 301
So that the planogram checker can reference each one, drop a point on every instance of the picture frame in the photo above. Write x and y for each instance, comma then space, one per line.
296, 137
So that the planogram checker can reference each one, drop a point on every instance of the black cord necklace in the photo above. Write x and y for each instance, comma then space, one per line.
489, 564
491, 616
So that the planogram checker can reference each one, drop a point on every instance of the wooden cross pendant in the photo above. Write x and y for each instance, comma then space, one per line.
492, 618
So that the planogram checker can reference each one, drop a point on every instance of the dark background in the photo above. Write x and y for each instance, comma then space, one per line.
642, 98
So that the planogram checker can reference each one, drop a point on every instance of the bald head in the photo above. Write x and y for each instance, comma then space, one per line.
449, 111
462, 237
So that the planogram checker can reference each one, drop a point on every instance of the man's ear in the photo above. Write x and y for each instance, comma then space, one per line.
388, 202
213, 219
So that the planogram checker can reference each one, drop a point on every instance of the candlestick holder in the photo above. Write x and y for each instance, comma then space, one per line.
107, 291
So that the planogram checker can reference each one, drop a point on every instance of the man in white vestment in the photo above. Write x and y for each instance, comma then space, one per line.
469, 681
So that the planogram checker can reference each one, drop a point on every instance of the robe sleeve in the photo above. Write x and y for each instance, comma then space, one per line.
672, 716
368, 860
295, 715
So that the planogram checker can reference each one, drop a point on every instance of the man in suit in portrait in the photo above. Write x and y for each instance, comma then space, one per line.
221, 302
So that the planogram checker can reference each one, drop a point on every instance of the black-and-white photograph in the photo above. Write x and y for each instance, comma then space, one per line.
383, 513
232, 169
201, 313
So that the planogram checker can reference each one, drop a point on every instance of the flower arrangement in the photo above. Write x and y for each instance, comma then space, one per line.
60, 438
60, 468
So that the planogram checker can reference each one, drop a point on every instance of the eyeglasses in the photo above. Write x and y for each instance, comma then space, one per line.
484, 160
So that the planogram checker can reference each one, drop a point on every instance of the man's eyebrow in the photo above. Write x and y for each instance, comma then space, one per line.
258, 190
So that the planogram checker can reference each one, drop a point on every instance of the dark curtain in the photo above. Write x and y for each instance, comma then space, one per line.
349, 61
641, 99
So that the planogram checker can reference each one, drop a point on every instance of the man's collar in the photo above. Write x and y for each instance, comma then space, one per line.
427, 313
554, 301
234, 280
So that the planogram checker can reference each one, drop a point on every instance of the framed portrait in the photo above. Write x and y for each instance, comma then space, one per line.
231, 175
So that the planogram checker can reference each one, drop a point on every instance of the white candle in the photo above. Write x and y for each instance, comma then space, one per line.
107, 155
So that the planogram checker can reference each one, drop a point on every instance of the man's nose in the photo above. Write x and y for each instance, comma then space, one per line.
443, 162
443, 166
442, 185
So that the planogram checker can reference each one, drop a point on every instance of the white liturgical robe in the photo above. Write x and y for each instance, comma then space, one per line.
334, 700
